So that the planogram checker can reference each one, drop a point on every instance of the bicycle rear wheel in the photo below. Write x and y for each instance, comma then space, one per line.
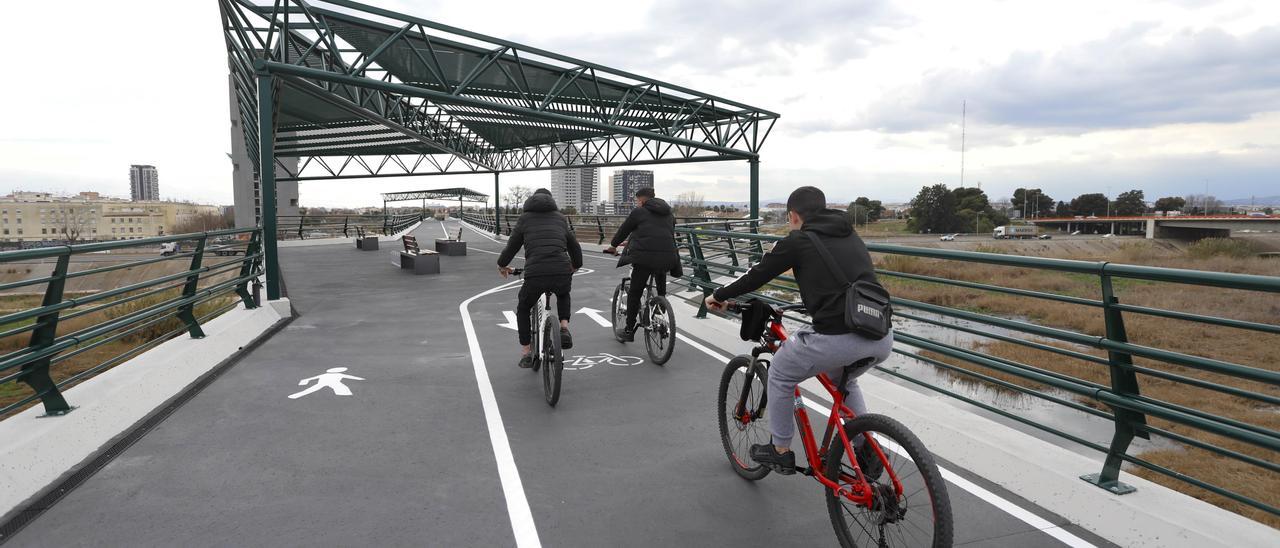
660, 335
918, 516
619, 309
740, 408
552, 362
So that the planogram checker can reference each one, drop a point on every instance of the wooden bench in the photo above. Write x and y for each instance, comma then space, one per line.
364, 241
415, 259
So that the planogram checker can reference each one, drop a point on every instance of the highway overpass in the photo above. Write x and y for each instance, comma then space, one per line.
1186, 227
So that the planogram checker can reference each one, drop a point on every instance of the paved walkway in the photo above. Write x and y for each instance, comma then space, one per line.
440, 447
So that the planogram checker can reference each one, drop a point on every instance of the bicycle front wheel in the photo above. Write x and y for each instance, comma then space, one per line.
918, 514
660, 336
740, 413
552, 361
619, 309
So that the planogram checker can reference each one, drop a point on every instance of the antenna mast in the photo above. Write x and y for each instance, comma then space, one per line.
963, 108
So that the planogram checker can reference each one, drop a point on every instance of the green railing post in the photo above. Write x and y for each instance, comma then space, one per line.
733, 252
344, 228
301, 221
600, 227
186, 312
1124, 382
36, 374
699, 271
247, 270
756, 244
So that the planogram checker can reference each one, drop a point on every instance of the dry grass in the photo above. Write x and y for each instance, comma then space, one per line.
14, 391
1232, 345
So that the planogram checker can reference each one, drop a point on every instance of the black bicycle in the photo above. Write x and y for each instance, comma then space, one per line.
655, 318
546, 345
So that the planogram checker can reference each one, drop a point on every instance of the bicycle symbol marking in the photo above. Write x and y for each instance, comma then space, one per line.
579, 363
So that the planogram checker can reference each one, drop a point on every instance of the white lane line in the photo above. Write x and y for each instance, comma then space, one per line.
993, 499
444, 230
522, 525
1023, 515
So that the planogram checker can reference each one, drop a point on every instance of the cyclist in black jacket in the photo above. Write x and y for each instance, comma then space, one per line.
826, 347
650, 231
551, 256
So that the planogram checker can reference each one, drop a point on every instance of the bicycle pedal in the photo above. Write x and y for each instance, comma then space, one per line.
780, 469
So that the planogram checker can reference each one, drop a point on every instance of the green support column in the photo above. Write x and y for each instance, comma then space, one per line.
497, 216
755, 187
267, 179
1123, 382
36, 374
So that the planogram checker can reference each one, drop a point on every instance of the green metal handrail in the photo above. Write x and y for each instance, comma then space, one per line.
178, 294
713, 253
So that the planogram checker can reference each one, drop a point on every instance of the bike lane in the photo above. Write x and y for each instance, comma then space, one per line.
631, 455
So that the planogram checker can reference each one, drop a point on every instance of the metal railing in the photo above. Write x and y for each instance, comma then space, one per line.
302, 227
712, 255
71, 330
588, 228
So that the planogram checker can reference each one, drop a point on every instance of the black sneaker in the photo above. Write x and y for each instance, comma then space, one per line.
767, 454
526, 361
629, 334
566, 340
868, 461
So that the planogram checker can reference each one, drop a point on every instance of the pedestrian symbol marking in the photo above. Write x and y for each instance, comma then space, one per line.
331, 378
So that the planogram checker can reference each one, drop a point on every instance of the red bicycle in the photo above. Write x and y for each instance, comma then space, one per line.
884, 490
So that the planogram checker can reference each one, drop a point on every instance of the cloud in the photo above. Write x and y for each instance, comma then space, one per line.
1122, 81
713, 36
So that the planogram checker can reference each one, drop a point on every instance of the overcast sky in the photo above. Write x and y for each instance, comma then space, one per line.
1172, 97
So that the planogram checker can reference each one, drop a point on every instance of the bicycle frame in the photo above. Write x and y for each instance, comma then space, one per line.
815, 454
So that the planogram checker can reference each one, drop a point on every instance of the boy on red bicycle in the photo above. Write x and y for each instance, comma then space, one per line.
828, 345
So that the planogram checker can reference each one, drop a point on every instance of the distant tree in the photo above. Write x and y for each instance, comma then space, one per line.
198, 223
875, 209
1063, 209
857, 213
1090, 204
717, 208
1170, 203
971, 198
1031, 200
1202, 204
517, 194
1267, 210
934, 210
1129, 203
70, 225
569, 210
688, 203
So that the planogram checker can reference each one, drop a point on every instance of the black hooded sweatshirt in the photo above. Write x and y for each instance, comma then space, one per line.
651, 231
550, 247
822, 295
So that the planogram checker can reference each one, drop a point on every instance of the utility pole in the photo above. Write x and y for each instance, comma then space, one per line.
963, 108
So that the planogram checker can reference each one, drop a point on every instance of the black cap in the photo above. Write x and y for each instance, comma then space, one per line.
542, 191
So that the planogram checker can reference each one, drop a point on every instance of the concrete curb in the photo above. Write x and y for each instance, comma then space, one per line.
38, 452
1043, 473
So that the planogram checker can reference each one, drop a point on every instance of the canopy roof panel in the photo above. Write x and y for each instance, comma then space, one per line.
353, 80
456, 193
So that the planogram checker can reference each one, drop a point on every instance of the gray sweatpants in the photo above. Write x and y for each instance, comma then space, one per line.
804, 355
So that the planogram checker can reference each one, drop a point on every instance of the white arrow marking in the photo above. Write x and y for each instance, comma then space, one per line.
511, 320
596, 315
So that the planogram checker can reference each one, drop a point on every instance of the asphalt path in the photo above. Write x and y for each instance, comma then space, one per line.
444, 441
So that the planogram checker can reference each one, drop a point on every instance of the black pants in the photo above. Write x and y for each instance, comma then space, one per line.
639, 279
529, 293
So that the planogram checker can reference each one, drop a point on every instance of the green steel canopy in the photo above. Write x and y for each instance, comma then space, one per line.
355, 91
460, 194
361, 91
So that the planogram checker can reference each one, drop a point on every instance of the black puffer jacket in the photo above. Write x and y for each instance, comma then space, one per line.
651, 231
822, 295
550, 248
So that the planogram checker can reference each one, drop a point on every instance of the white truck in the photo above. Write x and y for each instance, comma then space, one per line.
1014, 231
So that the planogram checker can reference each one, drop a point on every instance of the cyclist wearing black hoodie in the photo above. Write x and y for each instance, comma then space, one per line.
650, 231
551, 256
828, 345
